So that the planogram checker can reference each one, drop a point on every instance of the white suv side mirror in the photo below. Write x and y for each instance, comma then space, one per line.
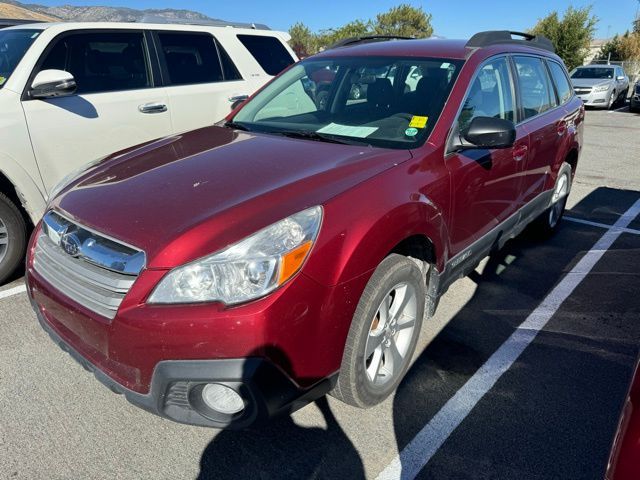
620, 77
52, 84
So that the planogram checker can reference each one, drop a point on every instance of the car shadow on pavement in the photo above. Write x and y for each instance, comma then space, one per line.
509, 287
280, 448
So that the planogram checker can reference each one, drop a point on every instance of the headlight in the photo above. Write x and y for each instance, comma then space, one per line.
601, 88
247, 270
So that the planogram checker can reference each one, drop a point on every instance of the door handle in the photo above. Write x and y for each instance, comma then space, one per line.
238, 98
520, 152
155, 107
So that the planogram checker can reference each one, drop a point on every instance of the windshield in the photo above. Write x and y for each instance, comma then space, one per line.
598, 73
13, 45
385, 102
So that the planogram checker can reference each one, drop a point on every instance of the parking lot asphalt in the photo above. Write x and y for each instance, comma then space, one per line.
494, 391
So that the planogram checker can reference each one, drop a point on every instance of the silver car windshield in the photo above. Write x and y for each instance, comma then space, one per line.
13, 45
591, 72
379, 101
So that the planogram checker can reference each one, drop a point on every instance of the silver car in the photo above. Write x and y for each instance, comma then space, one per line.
600, 86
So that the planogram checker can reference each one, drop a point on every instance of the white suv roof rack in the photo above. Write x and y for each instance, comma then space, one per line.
208, 23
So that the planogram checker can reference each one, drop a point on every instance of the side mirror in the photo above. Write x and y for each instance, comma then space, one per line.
487, 132
52, 84
620, 77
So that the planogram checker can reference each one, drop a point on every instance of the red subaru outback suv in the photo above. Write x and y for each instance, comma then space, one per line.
233, 272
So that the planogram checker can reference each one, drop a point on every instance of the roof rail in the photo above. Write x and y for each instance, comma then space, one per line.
367, 39
493, 37
207, 23
10, 22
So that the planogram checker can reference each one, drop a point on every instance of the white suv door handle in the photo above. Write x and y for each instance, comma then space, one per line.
155, 107
238, 98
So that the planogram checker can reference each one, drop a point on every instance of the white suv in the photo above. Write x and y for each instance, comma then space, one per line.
71, 93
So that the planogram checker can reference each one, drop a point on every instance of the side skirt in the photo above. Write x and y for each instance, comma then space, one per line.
468, 259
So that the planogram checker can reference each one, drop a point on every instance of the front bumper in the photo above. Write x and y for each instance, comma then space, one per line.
265, 389
595, 99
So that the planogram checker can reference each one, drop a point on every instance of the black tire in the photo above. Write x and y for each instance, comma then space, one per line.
13, 237
548, 223
354, 386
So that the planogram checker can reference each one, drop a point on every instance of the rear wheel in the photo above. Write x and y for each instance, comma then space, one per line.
383, 334
13, 237
547, 223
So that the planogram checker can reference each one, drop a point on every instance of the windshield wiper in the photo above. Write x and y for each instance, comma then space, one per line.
237, 126
310, 135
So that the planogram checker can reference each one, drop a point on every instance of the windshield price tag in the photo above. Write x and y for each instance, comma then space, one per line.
2, 80
418, 122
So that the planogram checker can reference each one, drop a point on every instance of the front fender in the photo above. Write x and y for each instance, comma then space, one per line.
357, 235
31, 196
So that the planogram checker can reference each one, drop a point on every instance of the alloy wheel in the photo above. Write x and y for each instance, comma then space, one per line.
4, 240
390, 335
558, 200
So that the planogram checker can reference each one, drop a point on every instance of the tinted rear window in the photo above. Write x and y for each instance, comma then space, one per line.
269, 52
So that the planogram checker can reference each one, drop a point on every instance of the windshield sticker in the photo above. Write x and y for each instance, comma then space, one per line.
411, 132
445, 65
2, 80
418, 122
347, 130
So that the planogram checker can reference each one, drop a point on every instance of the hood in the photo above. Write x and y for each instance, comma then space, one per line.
189, 195
590, 82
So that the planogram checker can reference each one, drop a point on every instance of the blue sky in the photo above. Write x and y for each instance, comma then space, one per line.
451, 19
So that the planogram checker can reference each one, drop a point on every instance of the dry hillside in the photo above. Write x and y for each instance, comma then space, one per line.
13, 11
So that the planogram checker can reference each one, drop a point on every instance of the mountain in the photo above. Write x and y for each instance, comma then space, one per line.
99, 14
15, 11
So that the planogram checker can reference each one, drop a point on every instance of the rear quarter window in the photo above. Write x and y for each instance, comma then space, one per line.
561, 82
269, 52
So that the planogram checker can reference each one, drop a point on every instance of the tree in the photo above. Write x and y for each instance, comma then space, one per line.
611, 50
357, 28
302, 40
404, 21
571, 34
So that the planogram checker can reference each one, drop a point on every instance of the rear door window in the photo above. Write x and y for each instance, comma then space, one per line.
269, 52
102, 61
535, 88
190, 58
561, 82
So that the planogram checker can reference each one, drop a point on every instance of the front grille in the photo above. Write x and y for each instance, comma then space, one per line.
74, 261
582, 90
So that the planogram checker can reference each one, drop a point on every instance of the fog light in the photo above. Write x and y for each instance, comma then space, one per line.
222, 399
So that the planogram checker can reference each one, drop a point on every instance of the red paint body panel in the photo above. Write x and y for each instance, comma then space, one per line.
624, 463
187, 196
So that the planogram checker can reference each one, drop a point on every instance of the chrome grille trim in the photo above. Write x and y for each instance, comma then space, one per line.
95, 287
582, 90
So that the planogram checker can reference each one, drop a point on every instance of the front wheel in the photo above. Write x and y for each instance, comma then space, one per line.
613, 98
13, 237
383, 334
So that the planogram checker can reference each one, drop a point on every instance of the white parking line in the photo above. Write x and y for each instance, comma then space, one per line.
426, 443
601, 225
10, 292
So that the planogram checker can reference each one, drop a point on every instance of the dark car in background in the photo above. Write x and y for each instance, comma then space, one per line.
635, 98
